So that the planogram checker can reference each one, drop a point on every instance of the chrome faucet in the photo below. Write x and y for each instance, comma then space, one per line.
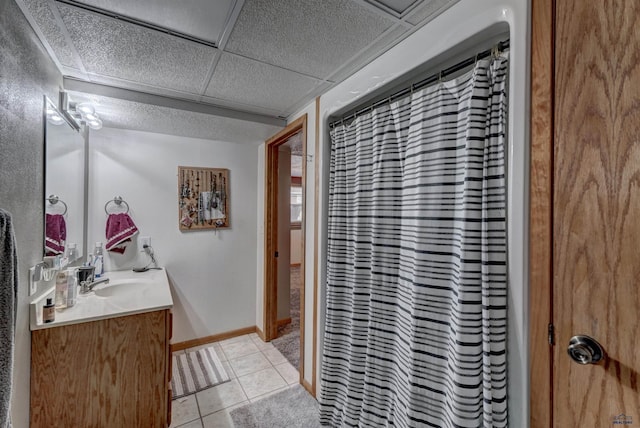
87, 286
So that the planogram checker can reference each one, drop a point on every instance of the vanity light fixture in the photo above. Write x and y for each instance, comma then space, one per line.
82, 113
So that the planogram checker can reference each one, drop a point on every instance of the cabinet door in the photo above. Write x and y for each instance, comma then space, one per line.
109, 373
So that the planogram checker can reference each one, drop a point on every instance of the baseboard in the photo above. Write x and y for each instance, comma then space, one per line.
284, 321
306, 385
213, 338
260, 333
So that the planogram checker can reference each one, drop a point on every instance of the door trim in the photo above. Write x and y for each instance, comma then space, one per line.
270, 327
541, 213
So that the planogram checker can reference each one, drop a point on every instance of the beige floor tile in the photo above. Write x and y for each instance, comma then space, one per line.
222, 418
261, 382
239, 349
288, 373
263, 345
235, 339
217, 398
249, 364
184, 410
274, 356
195, 424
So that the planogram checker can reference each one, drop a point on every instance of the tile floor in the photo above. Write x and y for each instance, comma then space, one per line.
257, 369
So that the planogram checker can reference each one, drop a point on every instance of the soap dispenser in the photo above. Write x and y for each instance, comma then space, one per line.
98, 260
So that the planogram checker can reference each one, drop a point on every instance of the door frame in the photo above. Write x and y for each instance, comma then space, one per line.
541, 214
272, 145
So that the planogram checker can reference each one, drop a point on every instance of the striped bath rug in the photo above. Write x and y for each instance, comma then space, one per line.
196, 370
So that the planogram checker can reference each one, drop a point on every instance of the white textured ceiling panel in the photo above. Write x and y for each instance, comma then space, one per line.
308, 36
399, 7
428, 9
116, 113
203, 19
246, 81
130, 52
45, 19
392, 37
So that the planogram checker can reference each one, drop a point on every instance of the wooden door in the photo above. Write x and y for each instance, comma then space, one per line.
596, 210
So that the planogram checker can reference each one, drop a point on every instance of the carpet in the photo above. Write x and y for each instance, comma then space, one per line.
196, 370
292, 408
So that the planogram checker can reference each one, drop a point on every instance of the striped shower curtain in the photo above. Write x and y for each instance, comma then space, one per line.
416, 320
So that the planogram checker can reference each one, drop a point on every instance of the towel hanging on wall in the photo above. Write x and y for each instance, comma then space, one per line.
55, 234
120, 230
8, 304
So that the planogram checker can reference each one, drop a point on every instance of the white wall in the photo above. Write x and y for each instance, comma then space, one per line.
465, 23
212, 274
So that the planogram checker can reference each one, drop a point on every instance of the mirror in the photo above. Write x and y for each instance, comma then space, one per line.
64, 186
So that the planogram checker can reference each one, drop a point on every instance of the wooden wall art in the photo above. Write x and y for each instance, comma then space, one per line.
203, 198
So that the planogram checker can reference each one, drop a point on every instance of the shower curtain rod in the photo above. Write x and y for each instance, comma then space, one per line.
496, 49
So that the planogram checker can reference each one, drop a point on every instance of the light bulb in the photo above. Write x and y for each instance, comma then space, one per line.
85, 109
90, 116
95, 124
55, 119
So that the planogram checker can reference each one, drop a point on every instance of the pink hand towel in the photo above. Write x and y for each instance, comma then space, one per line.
55, 234
120, 229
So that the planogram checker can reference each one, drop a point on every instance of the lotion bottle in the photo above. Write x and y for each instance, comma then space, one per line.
49, 311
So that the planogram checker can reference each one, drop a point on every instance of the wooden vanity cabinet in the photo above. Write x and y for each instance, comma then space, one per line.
108, 373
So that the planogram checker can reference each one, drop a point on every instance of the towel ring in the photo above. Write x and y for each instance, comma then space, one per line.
118, 201
54, 199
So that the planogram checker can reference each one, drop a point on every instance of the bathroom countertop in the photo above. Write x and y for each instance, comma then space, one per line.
127, 293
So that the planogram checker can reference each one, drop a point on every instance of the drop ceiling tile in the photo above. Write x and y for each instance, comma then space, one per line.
397, 7
46, 21
203, 19
242, 80
116, 113
307, 98
428, 10
308, 36
377, 48
118, 49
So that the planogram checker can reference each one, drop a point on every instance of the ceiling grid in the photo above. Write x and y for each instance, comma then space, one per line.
263, 57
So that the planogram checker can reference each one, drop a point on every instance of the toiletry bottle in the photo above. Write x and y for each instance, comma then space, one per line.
49, 311
71, 252
61, 290
98, 260
72, 287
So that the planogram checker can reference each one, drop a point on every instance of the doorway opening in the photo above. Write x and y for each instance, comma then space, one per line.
284, 289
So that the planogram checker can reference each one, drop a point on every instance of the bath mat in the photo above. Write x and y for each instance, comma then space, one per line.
292, 408
196, 370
